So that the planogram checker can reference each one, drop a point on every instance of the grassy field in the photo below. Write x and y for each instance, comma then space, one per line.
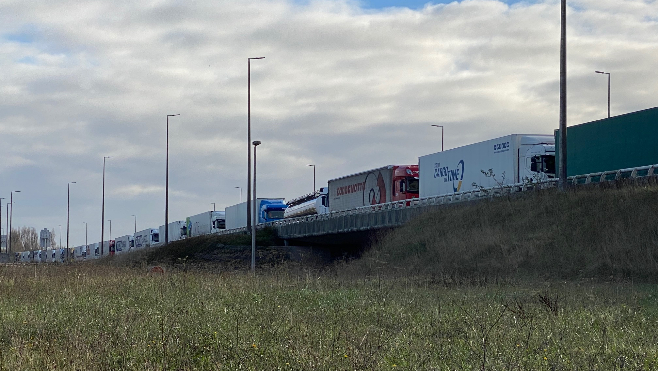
106, 318
546, 281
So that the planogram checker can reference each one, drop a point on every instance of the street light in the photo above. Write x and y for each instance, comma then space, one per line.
2, 198
249, 139
240, 193
68, 208
86, 236
11, 216
313, 177
167, 185
135, 223
607, 73
440, 126
253, 225
103, 210
110, 220
7, 228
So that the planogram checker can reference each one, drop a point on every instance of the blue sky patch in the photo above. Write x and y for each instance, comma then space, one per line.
26, 35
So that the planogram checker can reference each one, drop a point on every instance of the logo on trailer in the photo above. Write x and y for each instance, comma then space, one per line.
374, 191
501, 147
454, 175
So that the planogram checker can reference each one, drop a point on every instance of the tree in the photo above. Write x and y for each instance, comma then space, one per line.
15, 239
53, 244
29, 238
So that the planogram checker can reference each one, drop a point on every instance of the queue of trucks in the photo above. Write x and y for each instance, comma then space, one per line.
619, 142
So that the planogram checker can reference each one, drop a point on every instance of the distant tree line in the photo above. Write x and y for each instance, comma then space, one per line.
27, 239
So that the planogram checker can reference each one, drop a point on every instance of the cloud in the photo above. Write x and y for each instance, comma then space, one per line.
343, 87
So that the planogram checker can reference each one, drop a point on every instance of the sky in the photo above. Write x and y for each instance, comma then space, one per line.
345, 85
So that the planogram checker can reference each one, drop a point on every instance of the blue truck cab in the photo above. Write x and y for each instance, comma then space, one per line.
270, 210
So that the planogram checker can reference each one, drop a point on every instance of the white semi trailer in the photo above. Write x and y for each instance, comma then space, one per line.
147, 238
506, 160
205, 223
176, 232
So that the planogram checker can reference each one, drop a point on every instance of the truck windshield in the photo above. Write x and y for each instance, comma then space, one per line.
412, 185
275, 214
543, 164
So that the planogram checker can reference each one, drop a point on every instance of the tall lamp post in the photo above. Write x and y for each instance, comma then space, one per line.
135, 223
253, 225
68, 209
86, 236
240, 193
2, 198
313, 177
249, 140
103, 210
11, 216
440, 126
7, 228
167, 185
562, 150
607, 73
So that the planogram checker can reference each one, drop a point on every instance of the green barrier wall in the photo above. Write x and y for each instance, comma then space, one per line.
619, 142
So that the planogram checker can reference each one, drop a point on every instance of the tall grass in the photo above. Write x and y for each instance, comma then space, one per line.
88, 317
598, 232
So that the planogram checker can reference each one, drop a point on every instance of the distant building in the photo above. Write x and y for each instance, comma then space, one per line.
45, 239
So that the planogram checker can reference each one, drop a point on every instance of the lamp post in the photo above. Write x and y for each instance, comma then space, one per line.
249, 139
313, 177
86, 236
607, 73
68, 209
103, 210
11, 216
7, 228
2, 198
440, 126
240, 193
167, 185
110, 220
135, 224
255, 221
562, 150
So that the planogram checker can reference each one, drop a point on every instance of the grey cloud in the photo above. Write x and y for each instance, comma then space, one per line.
340, 87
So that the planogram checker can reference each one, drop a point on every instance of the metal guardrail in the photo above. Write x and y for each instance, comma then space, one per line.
415, 203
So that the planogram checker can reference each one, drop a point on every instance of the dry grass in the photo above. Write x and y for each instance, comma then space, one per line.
89, 317
595, 232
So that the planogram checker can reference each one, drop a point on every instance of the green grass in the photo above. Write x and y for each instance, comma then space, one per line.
87, 317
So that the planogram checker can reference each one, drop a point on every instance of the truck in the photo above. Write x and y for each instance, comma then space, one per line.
511, 159
377, 186
268, 210
147, 238
177, 231
205, 223
615, 143
310, 204
124, 243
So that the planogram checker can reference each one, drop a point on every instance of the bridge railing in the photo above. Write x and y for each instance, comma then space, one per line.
475, 194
